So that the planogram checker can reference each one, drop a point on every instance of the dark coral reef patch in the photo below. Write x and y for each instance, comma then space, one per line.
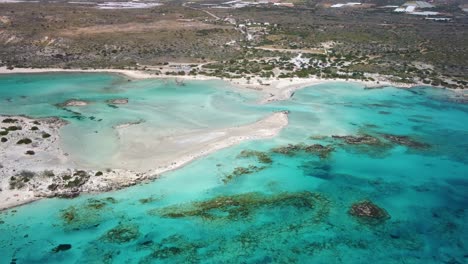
368, 212
244, 206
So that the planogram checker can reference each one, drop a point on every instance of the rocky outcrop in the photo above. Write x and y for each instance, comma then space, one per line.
368, 212
118, 101
405, 141
358, 140
73, 102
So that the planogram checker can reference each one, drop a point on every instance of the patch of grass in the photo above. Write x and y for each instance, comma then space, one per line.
45, 135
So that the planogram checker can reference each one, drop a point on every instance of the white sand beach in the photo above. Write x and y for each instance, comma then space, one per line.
40, 168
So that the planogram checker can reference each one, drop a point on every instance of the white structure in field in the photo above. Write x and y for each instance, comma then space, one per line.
412, 7
347, 4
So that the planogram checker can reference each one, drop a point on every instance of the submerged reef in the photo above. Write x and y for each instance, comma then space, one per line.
406, 141
360, 139
118, 101
288, 150
73, 102
262, 157
368, 212
316, 149
239, 171
62, 247
317, 169
122, 233
86, 215
244, 206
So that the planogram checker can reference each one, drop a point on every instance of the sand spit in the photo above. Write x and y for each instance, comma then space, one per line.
160, 155
33, 164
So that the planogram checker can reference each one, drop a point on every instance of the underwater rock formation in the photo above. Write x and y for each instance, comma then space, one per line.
368, 212
118, 101
357, 140
122, 233
87, 215
73, 102
293, 149
320, 150
239, 171
243, 206
289, 149
405, 141
62, 247
262, 157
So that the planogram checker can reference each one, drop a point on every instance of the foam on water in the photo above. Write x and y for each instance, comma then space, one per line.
293, 208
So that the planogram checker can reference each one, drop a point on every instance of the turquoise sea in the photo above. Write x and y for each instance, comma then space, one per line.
281, 200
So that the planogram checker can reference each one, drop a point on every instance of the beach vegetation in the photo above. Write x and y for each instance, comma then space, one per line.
9, 120
30, 152
3, 139
34, 128
98, 173
48, 173
20, 179
24, 141
45, 135
52, 187
13, 128
76, 182
4, 132
80, 173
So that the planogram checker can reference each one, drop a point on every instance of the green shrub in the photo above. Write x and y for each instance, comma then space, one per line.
9, 120
24, 141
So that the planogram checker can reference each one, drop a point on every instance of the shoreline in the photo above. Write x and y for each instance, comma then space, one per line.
50, 172
274, 89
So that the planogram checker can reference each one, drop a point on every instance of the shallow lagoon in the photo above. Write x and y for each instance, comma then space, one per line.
293, 209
